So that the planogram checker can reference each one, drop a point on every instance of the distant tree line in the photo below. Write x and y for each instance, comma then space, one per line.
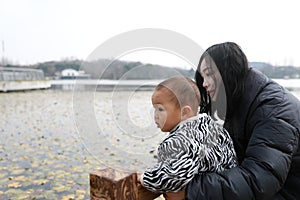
111, 69
277, 72
117, 69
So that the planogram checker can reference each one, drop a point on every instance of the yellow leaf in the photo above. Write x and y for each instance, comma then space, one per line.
80, 192
19, 178
59, 188
3, 175
68, 197
18, 171
80, 197
29, 191
40, 181
14, 185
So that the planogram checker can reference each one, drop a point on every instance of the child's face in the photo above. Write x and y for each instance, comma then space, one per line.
166, 114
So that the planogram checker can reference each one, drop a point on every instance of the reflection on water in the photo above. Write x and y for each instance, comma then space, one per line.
45, 154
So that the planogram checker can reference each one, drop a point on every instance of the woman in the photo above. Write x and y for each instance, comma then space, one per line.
263, 120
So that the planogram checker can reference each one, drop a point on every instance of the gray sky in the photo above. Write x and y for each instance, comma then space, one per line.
41, 30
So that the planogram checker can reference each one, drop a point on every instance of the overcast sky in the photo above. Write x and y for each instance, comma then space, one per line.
34, 31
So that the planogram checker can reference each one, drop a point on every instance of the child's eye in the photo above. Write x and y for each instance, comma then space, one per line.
160, 109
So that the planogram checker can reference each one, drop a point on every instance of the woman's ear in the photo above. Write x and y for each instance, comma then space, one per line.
186, 112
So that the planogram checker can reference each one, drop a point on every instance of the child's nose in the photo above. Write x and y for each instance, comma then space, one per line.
155, 115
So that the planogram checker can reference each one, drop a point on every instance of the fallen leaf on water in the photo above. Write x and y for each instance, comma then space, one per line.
18, 171
68, 197
49, 194
3, 175
59, 188
76, 169
22, 197
30, 191
40, 181
80, 197
14, 185
35, 164
19, 178
79, 192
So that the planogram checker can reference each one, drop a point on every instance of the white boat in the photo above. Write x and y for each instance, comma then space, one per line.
14, 79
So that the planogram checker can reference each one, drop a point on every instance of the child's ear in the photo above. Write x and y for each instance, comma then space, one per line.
186, 112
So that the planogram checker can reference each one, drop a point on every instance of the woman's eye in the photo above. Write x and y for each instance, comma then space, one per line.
208, 74
160, 109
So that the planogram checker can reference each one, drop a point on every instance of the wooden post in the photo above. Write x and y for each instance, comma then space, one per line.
110, 184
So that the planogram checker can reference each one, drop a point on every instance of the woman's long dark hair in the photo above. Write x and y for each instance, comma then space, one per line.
232, 64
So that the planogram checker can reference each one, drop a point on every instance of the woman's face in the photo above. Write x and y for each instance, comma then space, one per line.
211, 79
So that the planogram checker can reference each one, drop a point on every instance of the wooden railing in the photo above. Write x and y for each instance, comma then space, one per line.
110, 184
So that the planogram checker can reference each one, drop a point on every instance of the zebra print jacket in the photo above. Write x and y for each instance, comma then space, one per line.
196, 145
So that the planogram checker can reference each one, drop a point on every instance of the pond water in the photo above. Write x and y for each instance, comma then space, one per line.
50, 140
48, 146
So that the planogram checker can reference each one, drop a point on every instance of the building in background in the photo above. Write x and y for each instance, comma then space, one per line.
73, 74
14, 79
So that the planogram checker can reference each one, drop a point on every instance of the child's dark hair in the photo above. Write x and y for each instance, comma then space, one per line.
183, 91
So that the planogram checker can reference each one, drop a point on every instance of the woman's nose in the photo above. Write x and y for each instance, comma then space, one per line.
205, 85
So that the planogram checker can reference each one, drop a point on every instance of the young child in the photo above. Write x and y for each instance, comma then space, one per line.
195, 143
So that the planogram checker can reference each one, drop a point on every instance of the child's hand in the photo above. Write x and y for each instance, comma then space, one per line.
175, 195
138, 178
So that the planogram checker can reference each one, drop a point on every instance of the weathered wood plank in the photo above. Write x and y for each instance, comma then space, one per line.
110, 184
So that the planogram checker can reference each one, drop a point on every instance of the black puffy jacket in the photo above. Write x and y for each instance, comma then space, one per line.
265, 131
